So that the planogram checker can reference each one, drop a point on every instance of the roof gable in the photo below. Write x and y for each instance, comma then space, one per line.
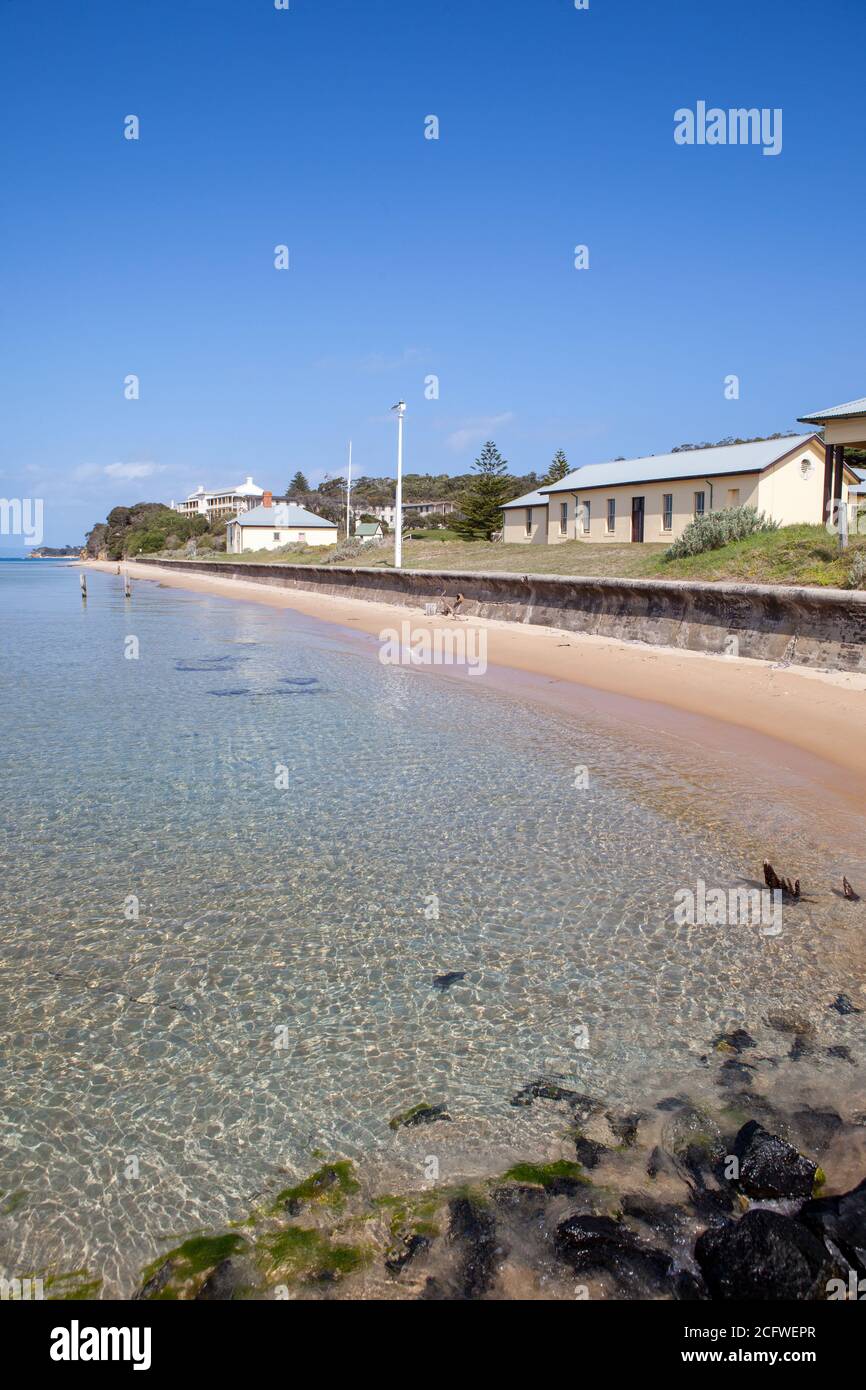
836, 412
688, 463
529, 499
283, 514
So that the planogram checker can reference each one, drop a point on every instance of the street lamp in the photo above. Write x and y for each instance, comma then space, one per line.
400, 408
349, 494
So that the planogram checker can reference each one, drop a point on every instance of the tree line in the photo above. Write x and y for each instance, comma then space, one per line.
478, 495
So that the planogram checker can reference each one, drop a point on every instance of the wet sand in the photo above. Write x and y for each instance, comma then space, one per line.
805, 721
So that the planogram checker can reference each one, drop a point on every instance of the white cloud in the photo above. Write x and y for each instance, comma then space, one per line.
477, 431
125, 471
133, 470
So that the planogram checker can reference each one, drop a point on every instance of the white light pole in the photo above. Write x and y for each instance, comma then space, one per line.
349, 492
400, 408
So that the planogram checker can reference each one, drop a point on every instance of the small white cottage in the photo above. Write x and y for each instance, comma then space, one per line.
268, 527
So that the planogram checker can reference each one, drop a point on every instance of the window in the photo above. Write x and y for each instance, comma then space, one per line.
611, 513
302, 537
563, 518
733, 497
587, 512
529, 521
276, 535
667, 511
699, 503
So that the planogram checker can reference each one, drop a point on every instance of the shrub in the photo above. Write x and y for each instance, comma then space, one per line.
857, 573
349, 549
715, 529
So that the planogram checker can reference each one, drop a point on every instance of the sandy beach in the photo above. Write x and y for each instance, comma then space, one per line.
808, 720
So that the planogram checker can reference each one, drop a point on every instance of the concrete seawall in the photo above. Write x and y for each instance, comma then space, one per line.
824, 628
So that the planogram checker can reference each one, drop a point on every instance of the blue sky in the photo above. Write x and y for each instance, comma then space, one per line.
412, 257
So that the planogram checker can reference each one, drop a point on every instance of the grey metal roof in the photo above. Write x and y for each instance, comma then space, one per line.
283, 514
368, 528
836, 412
530, 499
690, 463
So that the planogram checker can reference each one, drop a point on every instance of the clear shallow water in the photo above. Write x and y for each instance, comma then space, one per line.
303, 910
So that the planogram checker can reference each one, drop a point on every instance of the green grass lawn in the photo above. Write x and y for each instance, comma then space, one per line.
791, 555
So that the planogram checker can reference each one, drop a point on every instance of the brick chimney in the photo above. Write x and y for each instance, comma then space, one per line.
268, 499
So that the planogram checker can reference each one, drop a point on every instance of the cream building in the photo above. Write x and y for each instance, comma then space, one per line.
654, 499
217, 503
268, 527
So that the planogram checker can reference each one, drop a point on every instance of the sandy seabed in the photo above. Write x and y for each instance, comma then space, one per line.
805, 720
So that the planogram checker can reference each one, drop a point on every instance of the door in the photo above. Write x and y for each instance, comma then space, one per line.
637, 518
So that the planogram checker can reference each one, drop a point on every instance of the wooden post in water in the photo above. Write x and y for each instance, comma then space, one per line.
127, 586
83, 579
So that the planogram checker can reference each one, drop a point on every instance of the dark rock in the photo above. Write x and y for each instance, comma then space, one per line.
443, 982
420, 1115
411, 1247
671, 1103
522, 1199
598, 1243
770, 1167
818, 1127
735, 1073
738, 1040
842, 1220
663, 1218
695, 1143
690, 1129
624, 1127
689, 1287
473, 1228
765, 1256
543, 1088
842, 1052
660, 1162
586, 1241
842, 1004
802, 1047
157, 1282
588, 1152
791, 1023
221, 1284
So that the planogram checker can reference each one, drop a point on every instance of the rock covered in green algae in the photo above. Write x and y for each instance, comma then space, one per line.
330, 1185
422, 1114
560, 1177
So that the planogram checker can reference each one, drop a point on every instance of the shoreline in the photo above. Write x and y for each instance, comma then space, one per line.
804, 719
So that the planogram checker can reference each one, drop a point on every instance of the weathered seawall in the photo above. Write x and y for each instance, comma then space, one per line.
807, 627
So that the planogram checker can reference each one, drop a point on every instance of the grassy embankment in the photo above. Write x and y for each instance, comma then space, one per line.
791, 555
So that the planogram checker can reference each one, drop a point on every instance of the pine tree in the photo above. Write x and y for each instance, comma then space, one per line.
484, 496
557, 470
298, 486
